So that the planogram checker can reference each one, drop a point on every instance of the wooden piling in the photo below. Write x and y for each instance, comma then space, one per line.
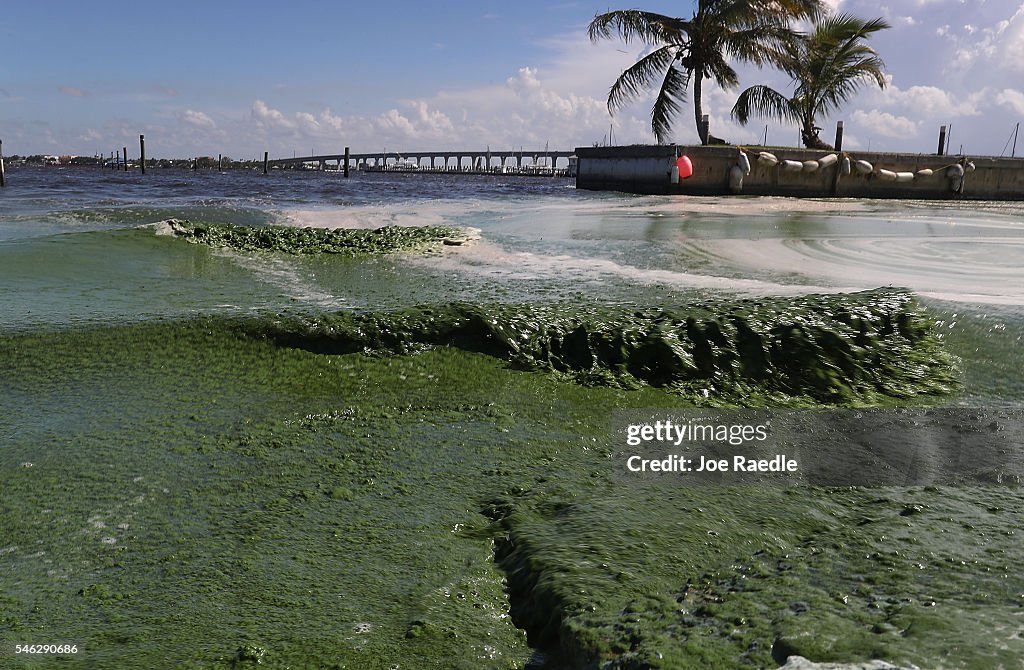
220, 162
346, 162
3, 172
142, 152
266, 161
124, 163
942, 141
839, 136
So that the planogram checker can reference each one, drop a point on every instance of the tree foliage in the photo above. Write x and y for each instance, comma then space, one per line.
686, 52
828, 66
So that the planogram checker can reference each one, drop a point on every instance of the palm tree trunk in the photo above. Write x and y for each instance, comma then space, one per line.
810, 136
698, 107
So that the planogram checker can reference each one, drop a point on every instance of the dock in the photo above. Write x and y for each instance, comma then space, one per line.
779, 171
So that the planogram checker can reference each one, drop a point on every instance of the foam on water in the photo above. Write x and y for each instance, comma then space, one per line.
282, 273
987, 270
491, 261
418, 213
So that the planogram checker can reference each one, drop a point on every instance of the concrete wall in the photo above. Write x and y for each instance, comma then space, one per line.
648, 169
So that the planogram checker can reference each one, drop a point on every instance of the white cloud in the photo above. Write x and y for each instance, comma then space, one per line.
72, 91
562, 104
197, 119
886, 124
925, 101
1012, 98
270, 119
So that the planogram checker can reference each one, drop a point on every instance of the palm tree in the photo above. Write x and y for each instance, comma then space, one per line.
692, 50
828, 66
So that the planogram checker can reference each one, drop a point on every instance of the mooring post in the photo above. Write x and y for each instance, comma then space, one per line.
346, 162
942, 141
220, 162
3, 174
839, 136
266, 161
124, 162
142, 153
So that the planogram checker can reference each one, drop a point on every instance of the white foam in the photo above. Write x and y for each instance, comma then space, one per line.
491, 260
166, 228
284, 274
959, 269
419, 213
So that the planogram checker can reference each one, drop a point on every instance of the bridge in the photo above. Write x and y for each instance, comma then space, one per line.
484, 160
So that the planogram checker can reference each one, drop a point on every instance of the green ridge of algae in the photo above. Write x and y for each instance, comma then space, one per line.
859, 348
342, 241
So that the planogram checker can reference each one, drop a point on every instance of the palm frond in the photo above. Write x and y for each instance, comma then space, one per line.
667, 103
721, 72
640, 75
763, 101
633, 24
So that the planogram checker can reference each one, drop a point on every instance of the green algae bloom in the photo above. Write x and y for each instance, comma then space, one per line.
422, 488
343, 241
848, 349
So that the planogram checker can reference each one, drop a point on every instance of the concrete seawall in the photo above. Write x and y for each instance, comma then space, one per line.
649, 169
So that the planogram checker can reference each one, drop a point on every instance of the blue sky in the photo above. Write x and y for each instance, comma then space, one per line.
240, 78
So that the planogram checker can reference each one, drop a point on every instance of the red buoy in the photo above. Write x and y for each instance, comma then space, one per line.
685, 166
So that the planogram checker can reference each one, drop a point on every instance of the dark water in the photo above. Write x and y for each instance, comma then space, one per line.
175, 494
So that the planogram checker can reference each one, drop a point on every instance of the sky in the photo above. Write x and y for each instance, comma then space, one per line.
304, 78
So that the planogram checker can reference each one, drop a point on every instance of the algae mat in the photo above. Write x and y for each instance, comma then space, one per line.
187, 495
182, 495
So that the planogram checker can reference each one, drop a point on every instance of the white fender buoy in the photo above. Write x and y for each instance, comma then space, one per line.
955, 174
827, 161
744, 162
844, 167
765, 158
926, 172
886, 175
736, 179
674, 178
970, 166
903, 177
792, 166
810, 166
864, 167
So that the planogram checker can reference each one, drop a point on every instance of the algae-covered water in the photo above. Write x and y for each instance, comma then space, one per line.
399, 453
